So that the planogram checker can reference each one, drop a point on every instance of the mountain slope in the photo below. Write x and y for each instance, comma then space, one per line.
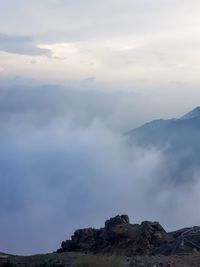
179, 141
178, 132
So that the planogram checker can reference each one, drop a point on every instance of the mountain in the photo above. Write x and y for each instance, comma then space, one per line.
181, 133
192, 114
178, 140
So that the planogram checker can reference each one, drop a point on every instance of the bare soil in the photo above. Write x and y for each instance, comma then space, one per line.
69, 259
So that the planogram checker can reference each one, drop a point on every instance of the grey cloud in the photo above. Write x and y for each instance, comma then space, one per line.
49, 165
23, 45
81, 102
77, 20
65, 164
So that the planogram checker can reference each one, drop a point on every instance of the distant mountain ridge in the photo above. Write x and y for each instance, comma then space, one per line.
192, 114
179, 141
171, 131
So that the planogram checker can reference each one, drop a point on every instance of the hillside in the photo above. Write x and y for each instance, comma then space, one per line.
179, 142
172, 132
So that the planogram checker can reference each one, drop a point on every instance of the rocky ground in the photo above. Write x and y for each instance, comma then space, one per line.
140, 245
69, 259
166, 261
66, 259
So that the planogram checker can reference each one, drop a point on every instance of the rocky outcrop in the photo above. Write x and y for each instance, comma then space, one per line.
117, 220
118, 235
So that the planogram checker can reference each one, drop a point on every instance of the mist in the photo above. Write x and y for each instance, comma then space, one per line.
66, 163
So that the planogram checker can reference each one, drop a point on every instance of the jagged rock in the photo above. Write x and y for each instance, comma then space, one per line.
82, 240
153, 232
118, 235
117, 220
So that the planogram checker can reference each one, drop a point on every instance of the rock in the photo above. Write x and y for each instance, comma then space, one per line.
82, 240
117, 220
153, 232
118, 235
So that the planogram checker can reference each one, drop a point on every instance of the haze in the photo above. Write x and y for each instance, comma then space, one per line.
75, 76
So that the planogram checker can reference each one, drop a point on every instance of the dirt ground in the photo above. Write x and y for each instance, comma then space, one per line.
166, 261
68, 259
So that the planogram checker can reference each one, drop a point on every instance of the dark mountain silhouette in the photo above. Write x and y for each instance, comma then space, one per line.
179, 141
181, 133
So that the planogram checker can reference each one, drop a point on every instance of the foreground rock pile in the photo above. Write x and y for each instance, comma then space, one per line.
118, 235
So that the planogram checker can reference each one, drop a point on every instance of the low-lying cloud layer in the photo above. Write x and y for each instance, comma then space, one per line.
65, 163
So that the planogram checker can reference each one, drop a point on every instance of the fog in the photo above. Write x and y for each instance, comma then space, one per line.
66, 163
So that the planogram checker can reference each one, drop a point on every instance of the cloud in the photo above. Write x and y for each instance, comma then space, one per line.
163, 48
77, 20
80, 101
42, 171
23, 45
65, 164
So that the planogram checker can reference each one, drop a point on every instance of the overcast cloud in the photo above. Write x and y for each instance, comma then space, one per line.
55, 140
23, 45
114, 41
74, 77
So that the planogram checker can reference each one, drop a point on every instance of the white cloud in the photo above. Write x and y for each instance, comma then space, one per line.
108, 40
61, 50
64, 158
56, 140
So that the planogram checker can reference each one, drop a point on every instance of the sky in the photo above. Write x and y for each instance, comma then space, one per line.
75, 76
121, 41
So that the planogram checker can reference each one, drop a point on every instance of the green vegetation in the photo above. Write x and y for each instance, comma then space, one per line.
99, 261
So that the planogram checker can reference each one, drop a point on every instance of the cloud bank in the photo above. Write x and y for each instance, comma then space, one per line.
65, 163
